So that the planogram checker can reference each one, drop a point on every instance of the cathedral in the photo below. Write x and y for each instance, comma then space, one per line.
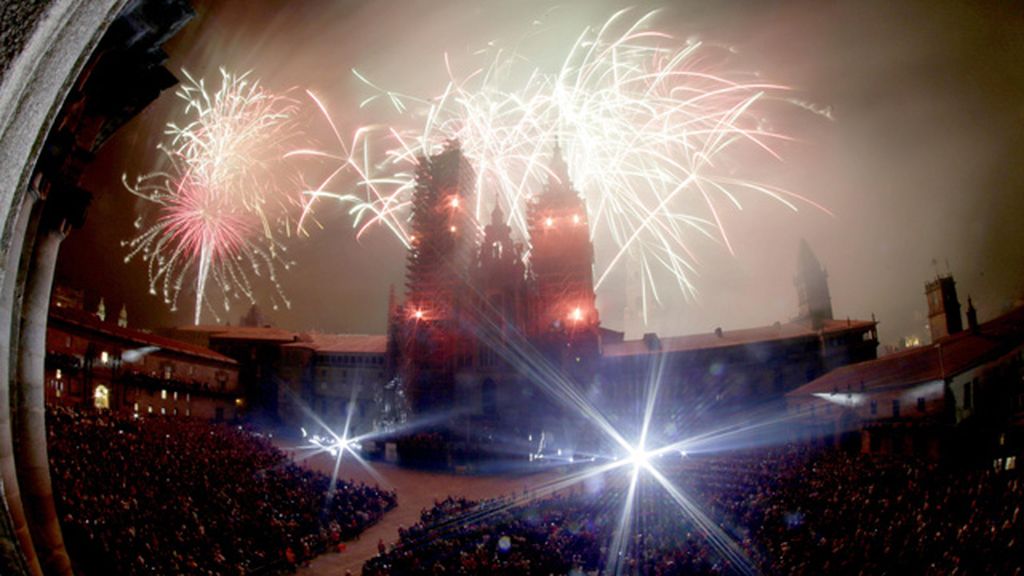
484, 315
495, 329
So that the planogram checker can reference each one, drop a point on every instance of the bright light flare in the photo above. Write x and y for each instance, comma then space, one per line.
639, 459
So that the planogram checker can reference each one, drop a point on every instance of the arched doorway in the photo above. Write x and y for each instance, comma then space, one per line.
101, 398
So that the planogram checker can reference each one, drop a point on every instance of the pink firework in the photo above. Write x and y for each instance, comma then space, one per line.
220, 204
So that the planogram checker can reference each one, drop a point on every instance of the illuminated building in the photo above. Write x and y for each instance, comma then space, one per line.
90, 362
340, 377
472, 298
961, 395
470, 332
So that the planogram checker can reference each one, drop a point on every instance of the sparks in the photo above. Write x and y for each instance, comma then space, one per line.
219, 205
648, 130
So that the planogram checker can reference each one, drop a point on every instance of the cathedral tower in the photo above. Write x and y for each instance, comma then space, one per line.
561, 260
943, 307
442, 241
813, 298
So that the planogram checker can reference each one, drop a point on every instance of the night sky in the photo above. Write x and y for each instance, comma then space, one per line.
920, 161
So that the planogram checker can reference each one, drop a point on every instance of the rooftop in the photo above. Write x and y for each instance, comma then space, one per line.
728, 338
338, 343
947, 357
263, 333
88, 321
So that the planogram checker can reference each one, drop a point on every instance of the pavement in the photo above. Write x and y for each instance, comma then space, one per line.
417, 490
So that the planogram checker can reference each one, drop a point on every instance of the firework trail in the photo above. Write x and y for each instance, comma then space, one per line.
219, 208
647, 129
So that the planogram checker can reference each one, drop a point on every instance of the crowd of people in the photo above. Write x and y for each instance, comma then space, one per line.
784, 511
184, 496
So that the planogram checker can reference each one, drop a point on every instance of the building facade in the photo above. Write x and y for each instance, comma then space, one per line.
90, 362
495, 331
339, 378
961, 396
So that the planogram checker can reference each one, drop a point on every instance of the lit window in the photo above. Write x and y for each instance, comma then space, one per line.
163, 411
175, 394
163, 394
135, 407
101, 397
59, 375
188, 397
149, 409
104, 357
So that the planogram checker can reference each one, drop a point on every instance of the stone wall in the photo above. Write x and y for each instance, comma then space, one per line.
17, 22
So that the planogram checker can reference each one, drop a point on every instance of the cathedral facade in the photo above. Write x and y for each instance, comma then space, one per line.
486, 316
505, 332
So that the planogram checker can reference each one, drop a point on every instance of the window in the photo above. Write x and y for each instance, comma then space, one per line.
149, 409
874, 408
104, 357
135, 407
920, 404
101, 397
895, 408
163, 394
163, 411
175, 394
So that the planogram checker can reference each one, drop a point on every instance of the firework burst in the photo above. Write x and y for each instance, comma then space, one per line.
648, 129
220, 208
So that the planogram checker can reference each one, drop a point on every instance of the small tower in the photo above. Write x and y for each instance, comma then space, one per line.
254, 318
972, 316
943, 307
813, 298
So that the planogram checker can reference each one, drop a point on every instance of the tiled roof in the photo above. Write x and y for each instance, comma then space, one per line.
337, 343
746, 336
263, 333
947, 357
87, 321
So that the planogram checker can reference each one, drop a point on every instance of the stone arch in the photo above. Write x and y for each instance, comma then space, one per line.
45, 46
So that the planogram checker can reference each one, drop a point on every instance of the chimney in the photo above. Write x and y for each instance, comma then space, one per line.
972, 316
652, 341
